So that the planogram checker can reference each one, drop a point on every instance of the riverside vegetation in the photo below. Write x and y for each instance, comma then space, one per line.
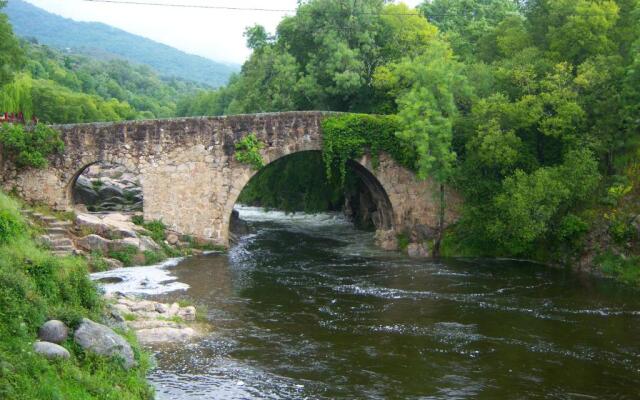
36, 286
528, 109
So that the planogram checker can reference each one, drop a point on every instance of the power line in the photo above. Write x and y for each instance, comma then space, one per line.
228, 8
177, 5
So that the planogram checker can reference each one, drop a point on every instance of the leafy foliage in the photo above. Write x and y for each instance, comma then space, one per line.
36, 286
61, 88
248, 151
11, 56
157, 229
297, 182
323, 58
348, 137
30, 147
125, 255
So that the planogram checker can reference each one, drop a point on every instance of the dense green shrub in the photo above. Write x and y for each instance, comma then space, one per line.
30, 147
125, 255
349, 136
626, 269
11, 225
157, 229
248, 151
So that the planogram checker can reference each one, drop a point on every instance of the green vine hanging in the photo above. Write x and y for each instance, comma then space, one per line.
349, 136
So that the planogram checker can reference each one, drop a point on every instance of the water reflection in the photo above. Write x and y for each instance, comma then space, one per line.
308, 308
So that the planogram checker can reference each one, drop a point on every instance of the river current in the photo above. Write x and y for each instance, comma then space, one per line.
307, 307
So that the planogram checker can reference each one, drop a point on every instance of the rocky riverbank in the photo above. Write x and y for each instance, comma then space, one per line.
154, 322
110, 241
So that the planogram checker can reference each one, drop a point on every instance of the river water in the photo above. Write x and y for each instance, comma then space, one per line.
307, 307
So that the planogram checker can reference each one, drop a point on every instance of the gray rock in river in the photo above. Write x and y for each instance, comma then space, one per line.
53, 331
102, 340
51, 350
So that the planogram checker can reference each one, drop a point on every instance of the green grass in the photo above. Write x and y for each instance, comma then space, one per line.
403, 241
61, 215
185, 302
36, 286
156, 230
176, 318
126, 255
130, 317
154, 257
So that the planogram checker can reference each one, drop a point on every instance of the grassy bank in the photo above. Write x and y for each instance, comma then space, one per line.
34, 287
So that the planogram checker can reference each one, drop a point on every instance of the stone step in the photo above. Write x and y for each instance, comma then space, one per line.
57, 231
61, 253
70, 249
64, 242
61, 224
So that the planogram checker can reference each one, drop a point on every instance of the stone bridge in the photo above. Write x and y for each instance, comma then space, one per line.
191, 180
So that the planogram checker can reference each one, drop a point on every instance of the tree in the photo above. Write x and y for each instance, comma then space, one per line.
426, 88
11, 55
466, 22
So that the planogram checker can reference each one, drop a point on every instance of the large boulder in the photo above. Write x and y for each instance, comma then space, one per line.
53, 331
109, 191
143, 243
92, 223
148, 244
94, 243
102, 340
83, 191
109, 225
51, 350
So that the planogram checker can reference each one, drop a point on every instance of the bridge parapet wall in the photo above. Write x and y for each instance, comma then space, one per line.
190, 179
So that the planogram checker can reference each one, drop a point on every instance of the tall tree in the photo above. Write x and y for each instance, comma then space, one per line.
427, 88
11, 56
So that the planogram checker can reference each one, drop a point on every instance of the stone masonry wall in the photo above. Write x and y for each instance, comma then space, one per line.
189, 177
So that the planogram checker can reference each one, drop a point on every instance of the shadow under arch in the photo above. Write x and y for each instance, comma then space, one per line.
379, 206
126, 174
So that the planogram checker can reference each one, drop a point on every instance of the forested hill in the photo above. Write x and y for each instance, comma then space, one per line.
101, 40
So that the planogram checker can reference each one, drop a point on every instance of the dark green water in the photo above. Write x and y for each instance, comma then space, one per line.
307, 308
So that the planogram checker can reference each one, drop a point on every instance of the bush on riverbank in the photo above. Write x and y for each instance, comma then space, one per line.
36, 286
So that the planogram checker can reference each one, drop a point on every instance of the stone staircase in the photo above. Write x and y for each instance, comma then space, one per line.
57, 233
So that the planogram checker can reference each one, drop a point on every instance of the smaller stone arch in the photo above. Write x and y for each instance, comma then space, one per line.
119, 189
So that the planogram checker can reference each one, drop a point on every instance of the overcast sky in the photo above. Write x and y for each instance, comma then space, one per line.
216, 34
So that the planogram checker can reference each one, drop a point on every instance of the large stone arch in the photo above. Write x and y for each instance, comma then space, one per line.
188, 173
384, 206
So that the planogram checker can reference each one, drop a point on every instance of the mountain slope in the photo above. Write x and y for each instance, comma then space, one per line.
106, 41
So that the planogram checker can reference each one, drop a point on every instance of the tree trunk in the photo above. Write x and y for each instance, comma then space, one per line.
436, 247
